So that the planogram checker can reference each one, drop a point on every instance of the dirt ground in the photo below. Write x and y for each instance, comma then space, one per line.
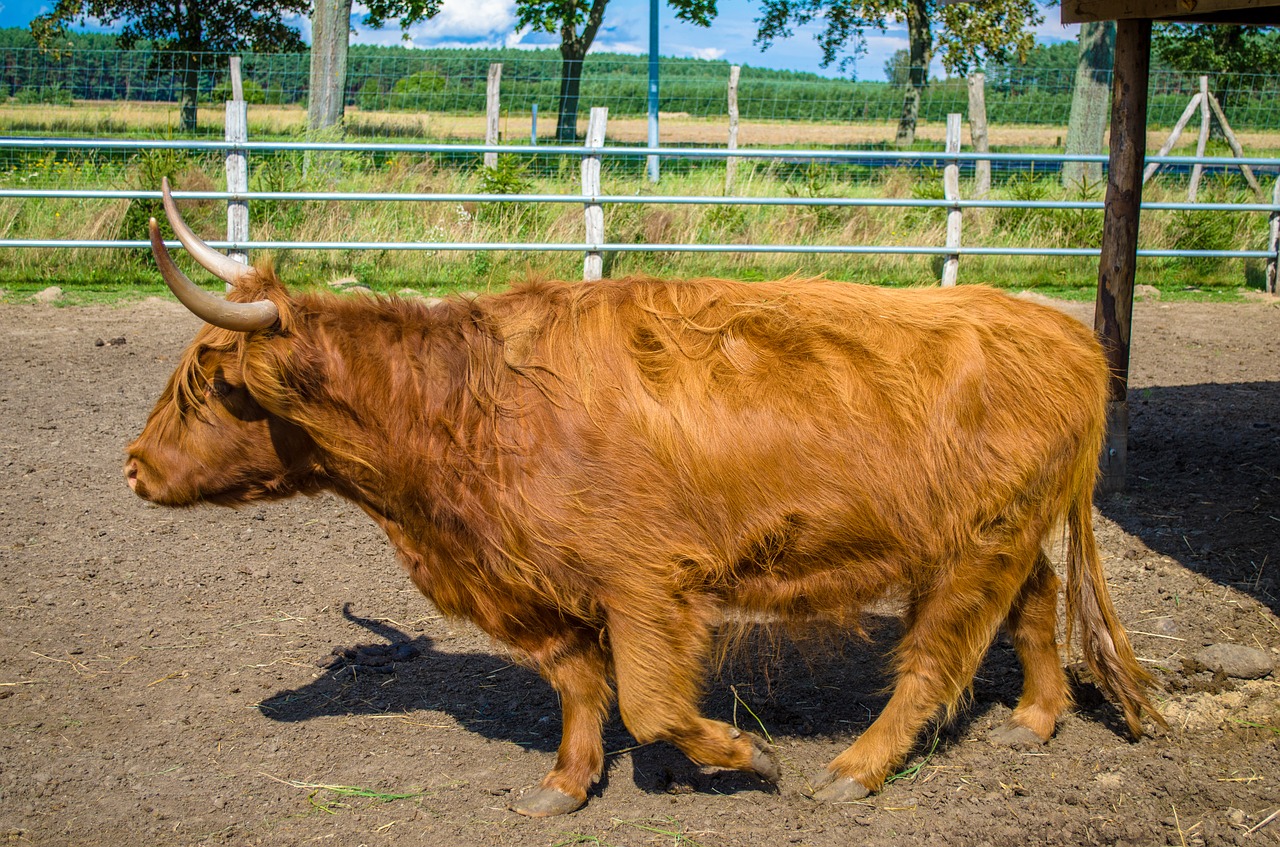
177, 677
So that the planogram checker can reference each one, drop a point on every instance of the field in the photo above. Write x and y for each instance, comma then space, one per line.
197, 677
678, 128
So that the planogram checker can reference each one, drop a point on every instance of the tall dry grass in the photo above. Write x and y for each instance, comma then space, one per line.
436, 222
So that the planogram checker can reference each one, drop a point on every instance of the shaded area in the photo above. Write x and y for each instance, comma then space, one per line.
1204, 481
826, 687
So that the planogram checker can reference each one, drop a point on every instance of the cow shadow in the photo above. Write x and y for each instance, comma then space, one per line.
828, 688
1203, 483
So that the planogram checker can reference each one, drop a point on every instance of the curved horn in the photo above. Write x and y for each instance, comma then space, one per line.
240, 317
223, 267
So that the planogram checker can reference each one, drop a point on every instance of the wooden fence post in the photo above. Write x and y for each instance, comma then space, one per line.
1234, 144
1113, 309
731, 163
492, 101
978, 132
593, 264
1273, 243
1198, 169
237, 165
951, 189
1173, 137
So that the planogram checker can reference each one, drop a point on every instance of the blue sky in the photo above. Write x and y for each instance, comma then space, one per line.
478, 23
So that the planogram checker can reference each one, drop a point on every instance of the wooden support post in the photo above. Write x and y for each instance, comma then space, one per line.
237, 164
1173, 137
237, 85
1273, 243
978, 132
731, 163
1236, 149
951, 190
1197, 170
593, 264
493, 105
1113, 313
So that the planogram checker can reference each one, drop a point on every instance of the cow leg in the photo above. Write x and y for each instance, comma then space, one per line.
578, 670
659, 662
948, 629
1033, 623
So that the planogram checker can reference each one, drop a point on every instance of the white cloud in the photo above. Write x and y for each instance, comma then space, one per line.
460, 23
611, 44
701, 52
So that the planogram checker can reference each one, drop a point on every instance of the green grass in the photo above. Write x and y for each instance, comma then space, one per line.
108, 275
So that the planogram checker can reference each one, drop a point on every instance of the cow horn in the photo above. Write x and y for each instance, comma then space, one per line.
223, 267
240, 317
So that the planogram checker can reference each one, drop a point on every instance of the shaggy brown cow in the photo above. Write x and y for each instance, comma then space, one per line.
595, 473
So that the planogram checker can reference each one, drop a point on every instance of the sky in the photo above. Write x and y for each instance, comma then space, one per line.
491, 23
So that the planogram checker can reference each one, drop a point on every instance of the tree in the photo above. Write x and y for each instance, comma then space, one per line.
967, 35
330, 37
577, 22
194, 27
1090, 103
1234, 52
897, 69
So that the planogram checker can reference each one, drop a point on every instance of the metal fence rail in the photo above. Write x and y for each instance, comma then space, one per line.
916, 159
923, 165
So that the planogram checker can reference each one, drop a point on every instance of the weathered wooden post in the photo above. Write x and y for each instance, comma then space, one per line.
1273, 243
1234, 144
1198, 169
237, 164
593, 264
492, 106
978, 132
1173, 137
951, 190
1113, 313
731, 163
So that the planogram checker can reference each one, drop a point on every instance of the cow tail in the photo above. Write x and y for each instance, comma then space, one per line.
1107, 651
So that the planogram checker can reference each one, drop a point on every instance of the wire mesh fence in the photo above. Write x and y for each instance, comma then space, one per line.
387, 88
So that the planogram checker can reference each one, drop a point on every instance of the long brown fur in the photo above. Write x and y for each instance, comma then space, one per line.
597, 474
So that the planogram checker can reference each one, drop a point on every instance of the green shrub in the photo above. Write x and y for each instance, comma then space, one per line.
52, 94
1195, 230
418, 91
508, 176
252, 91
370, 96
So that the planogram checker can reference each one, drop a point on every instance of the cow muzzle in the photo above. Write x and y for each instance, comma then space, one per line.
131, 474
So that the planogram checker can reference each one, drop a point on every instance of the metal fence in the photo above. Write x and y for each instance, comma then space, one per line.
923, 166
387, 84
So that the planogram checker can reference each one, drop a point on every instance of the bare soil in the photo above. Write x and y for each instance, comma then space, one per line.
199, 677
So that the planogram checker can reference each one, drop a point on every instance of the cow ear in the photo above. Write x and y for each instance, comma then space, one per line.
261, 284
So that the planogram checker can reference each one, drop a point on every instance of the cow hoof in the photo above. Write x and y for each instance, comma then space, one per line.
764, 761
832, 788
546, 803
1016, 736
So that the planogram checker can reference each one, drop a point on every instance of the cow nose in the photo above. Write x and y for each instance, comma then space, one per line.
131, 474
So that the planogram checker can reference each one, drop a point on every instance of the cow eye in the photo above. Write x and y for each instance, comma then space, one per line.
218, 387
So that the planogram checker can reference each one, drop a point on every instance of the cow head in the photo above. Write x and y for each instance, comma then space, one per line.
210, 437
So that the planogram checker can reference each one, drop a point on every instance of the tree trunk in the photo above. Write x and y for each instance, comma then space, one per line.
921, 41
330, 29
1090, 102
189, 102
570, 83
190, 40
573, 49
